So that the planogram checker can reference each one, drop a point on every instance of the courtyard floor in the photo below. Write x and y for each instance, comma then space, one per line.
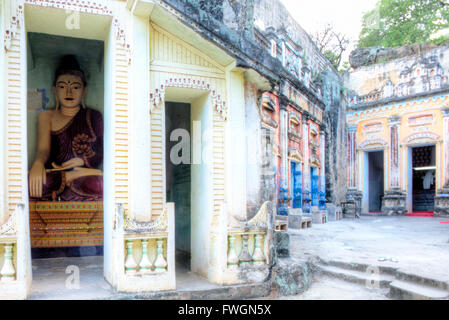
411, 244
416, 245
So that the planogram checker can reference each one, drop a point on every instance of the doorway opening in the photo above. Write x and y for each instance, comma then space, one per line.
65, 227
178, 177
296, 184
375, 180
314, 186
423, 178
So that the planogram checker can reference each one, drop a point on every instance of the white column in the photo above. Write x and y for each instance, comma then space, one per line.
395, 163
3, 211
352, 183
445, 151
140, 148
284, 54
235, 143
284, 146
305, 139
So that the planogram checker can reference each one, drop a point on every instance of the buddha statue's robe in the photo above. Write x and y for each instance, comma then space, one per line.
82, 137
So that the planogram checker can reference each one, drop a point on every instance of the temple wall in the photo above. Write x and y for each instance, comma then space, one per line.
395, 106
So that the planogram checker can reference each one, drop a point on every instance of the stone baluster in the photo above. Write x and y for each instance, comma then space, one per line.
8, 272
145, 263
245, 257
130, 264
258, 256
233, 259
160, 265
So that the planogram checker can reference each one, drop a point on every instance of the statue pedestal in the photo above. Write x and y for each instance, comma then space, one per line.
393, 203
353, 205
442, 203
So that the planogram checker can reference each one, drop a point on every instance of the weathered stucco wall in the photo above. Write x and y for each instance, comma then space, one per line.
336, 139
260, 174
407, 71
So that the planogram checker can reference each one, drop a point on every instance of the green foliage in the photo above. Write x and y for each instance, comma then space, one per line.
396, 23
333, 58
345, 66
440, 40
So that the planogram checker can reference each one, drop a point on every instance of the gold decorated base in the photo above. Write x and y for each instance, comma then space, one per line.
66, 223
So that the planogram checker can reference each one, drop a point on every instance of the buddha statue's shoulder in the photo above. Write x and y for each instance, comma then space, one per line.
94, 114
46, 115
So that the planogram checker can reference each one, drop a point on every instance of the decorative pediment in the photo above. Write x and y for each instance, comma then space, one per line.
373, 144
314, 161
268, 111
295, 154
294, 132
422, 137
158, 96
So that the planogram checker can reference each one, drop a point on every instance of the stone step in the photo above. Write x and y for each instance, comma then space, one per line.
405, 290
433, 283
357, 266
367, 278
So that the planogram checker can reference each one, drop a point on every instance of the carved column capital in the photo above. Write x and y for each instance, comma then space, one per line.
394, 120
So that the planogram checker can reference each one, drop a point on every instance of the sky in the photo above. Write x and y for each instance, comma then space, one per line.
345, 15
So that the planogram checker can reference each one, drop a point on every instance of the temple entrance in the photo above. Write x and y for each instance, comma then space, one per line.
423, 178
375, 180
314, 182
178, 181
296, 184
188, 120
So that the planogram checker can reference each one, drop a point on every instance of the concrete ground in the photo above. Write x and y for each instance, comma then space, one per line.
327, 288
416, 245
56, 278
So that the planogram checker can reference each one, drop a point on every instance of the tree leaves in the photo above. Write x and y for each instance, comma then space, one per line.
396, 23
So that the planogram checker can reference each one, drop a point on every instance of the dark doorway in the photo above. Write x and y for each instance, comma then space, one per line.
423, 164
376, 180
296, 184
177, 123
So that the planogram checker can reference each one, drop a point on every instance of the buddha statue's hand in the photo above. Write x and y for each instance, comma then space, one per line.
72, 163
81, 172
37, 179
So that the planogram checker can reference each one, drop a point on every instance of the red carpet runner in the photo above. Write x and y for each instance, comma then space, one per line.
419, 214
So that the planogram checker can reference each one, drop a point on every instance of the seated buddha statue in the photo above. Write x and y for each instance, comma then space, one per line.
69, 142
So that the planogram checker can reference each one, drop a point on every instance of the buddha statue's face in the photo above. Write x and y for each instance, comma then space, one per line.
69, 90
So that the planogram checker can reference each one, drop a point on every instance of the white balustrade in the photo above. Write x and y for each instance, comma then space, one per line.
258, 256
144, 266
233, 259
145, 263
245, 258
8, 272
160, 265
130, 264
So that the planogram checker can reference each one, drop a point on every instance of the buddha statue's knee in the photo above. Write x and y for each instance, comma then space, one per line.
92, 185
